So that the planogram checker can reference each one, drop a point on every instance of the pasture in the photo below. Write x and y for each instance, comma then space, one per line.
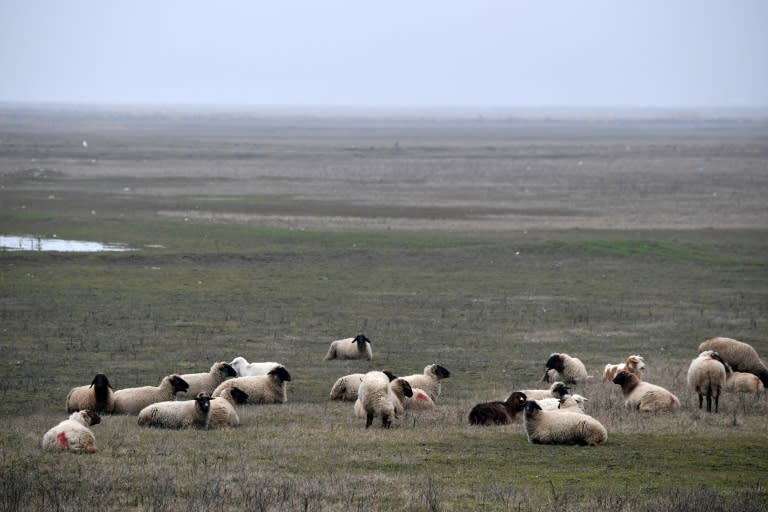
480, 244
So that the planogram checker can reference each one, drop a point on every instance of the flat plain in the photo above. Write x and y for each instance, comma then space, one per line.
480, 243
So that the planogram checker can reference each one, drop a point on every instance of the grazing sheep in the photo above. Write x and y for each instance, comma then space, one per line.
644, 396
358, 347
429, 381
345, 388
223, 413
401, 391
562, 427
133, 400
375, 398
497, 412
420, 401
573, 402
261, 389
743, 382
246, 369
562, 367
557, 390
73, 434
633, 363
207, 382
177, 413
706, 375
741, 356
96, 397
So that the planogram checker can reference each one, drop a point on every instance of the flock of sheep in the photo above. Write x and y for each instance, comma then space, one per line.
550, 416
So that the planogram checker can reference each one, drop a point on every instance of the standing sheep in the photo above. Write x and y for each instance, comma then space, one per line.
73, 434
706, 375
246, 369
223, 413
562, 427
497, 412
743, 382
556, 390
96, 397
345, 388
358, 347
633, 363
375, 398
133, 400
644, 396
207, 382
565, 368
177, 414
741, 356
429, 381
261, 389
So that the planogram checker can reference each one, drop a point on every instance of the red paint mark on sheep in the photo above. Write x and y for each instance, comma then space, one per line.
61, 437
421, 396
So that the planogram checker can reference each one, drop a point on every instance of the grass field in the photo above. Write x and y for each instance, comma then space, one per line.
483, 245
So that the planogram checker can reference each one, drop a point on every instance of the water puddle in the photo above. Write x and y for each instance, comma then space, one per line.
33, 243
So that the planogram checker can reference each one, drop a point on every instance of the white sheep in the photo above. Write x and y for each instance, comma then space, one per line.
96, 397
345, 388
375, 399
223, 413
261, 389
133, 400
498, 412
207, 382
420, 401
73, 434
744, 382
246, 369
358, 347
557, 390
177, 413
562, 427
741, 356
634, 363
706, 375
562, 367
644, 396
574, 402
429, 380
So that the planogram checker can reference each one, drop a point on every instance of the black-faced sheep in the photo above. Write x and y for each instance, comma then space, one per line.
375, 399
73, 434
246, 369
420, 401
706, 375
562, 427
498, 412
429, 381
644, 396
741, 356
345, 388
223, 413
556, 390
177, 414
133, 400
96, 397
261, 389
358, 347
562, 367
207, 382
633, 363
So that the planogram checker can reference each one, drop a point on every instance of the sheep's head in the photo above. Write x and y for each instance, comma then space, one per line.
238, 364
559, 389
405, 386
555, 362
391, 376
226, 369
100, 381
438, 371
178, 384
90, 417
238, 395
203, 402
626, 378
361, 340
280, 373
531, 408
517, 400
634, 363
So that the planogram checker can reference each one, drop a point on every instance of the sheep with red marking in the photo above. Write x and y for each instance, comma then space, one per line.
706, 375
73, 434
429, 380
741, 356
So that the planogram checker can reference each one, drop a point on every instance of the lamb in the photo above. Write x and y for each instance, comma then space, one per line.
564, 368
261, 389
741, 356
429, 381
375, 398
633, 363
207, 382
223, 413
358, 347
133, 400
706, 374
562, 427
557, 390
345, 388
497, 412
245, 369
96, 397
177, 413
73, 434
644, 396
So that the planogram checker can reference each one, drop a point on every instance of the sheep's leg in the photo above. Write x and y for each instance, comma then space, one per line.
717, 399
709, 402
701, 400
368, 419
386, 421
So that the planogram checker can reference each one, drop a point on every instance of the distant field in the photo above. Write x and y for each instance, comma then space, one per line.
481, 244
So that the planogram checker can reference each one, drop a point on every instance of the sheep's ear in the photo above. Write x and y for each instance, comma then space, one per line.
389, 375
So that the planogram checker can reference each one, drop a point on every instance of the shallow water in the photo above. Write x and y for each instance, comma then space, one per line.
32, 243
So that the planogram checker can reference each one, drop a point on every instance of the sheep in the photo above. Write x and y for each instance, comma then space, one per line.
498, 412
564, 368
420, 401
557, 390
73, 434
401, 392
345, 388
741, 356
133, 400
644, 396
375, 398
358, 347
429, 381
261, 389
177, 413
634, 363
706, 375
223, 413
574, 402
207, 382
96, 397
743, 382
245, 369
562, 427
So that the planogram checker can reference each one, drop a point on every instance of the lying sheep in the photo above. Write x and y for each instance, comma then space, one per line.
562, 427
345, 388
498, 412
73, 434
246, 369
358, 347
133, 400
261, 389
223, 413
420, 401
429, 381
574, 402
562, 367
96, 397
375, 399
207, 382
743, 382
741, 356
706, 375
633, 363
557, 390
177, 414
644, 396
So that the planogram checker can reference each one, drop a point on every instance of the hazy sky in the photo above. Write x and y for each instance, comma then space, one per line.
613, 53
